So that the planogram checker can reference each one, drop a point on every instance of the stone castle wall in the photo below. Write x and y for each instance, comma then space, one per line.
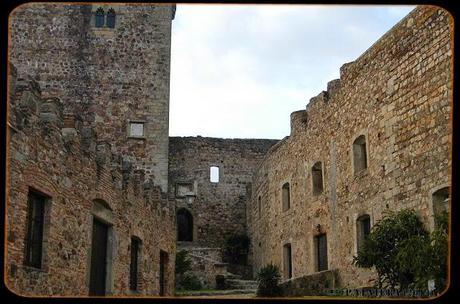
107, 76
397, 94
218, 209
82, 179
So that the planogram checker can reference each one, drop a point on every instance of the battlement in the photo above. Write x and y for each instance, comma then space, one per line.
34, 115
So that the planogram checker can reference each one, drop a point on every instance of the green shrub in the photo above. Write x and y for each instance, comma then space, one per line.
183, 263
404, 253
269, 278
189, 282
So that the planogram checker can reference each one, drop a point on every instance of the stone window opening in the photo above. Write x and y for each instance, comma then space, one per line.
359, 154
36, 205
134, 263
287, 261
259, 205
286, 196
440, 200
317, 178
214, 174
320, 252
184, 225
136, 129
111, 18
363, 228
100, 16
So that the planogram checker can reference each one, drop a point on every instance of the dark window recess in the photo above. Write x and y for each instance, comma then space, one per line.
35, 221
359, 154
286, 197
111, 18
163, 264
317, 178
259, 204
184, 225
287, 259
321, 252
100, 15
133, 269
363, 229
98, 259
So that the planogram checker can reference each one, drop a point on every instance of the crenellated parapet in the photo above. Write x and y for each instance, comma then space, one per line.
34, 114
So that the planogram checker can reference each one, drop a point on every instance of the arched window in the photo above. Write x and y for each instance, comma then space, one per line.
440, 200
111, 18
359, 154
363, 228
286, 197
317, 178
184, 225
100, 17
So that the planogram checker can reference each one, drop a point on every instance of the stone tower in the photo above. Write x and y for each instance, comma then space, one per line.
109, 64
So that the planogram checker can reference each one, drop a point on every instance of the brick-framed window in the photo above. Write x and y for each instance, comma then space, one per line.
111, 18
99, 17
36, 205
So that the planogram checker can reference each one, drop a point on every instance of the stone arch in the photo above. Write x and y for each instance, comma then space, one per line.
184, 225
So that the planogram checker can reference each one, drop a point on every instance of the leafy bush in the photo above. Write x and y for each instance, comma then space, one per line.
189, 282
403, 252
269, 278
183, 264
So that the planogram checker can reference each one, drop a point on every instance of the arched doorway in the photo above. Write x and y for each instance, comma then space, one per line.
184, 225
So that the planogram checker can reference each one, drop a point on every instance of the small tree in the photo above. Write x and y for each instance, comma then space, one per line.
269, 278
404, 253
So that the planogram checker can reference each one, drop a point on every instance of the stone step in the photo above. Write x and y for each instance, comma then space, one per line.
241, 284
212, 293
232, 276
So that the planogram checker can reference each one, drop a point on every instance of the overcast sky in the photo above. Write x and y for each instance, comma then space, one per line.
238, 71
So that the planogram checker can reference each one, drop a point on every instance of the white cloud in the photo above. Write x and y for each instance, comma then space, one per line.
239, 71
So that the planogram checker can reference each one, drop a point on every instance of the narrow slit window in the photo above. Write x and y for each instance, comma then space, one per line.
286, 196
440, 201
214, 174
287, 261
133, 271
35, 223
317, 178
359, 154
363, 228
259, 204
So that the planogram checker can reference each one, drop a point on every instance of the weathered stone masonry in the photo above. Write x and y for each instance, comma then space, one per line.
73, 90
396, 96
218, 209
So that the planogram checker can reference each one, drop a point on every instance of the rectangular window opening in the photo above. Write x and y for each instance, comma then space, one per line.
321, 252
35, 224
214, 174
287, 258
133, 275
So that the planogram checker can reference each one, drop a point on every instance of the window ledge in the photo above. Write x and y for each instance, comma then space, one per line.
137, 137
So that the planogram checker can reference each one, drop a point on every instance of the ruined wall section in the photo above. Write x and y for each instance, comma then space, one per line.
108, 76
397, 94
54, 154
218, 209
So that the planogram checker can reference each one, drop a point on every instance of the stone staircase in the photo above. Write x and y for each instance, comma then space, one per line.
207, 264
